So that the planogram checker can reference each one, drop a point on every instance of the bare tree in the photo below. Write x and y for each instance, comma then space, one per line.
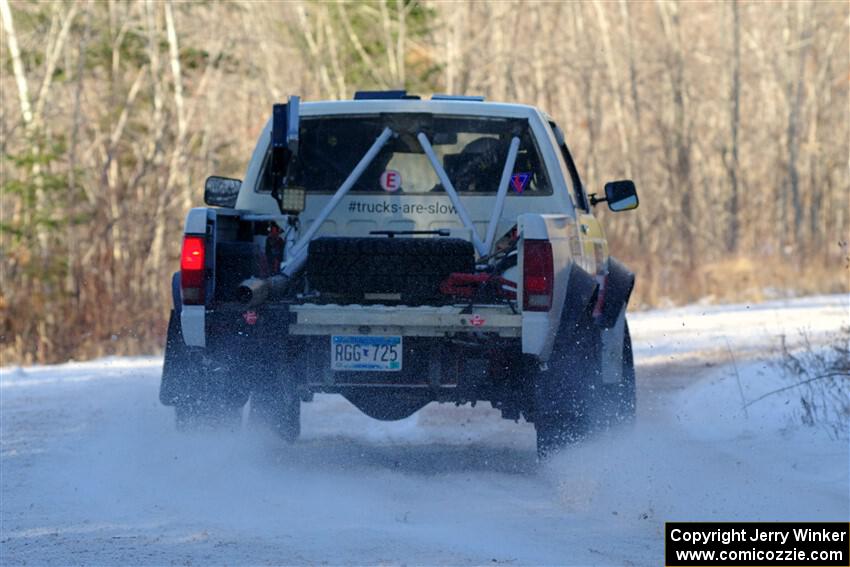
734, 125
733, 119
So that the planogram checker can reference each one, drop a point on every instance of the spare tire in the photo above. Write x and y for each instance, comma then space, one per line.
411, 267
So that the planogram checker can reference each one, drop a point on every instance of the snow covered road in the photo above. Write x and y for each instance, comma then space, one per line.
93, 472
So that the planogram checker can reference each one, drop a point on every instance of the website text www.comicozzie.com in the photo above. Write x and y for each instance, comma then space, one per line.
776, 556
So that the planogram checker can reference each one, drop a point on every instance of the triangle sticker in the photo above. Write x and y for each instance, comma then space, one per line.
520, 181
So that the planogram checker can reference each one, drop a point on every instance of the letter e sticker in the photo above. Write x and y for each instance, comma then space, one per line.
390, 180
519, 181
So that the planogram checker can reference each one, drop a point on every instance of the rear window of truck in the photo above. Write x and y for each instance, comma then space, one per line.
472, 150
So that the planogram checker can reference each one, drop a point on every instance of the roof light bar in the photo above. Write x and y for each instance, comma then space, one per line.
467, 98
384, 95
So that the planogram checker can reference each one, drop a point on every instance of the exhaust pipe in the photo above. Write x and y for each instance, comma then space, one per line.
256, 291
252, 291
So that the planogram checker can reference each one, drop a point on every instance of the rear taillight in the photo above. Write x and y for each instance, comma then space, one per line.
537, 275
192, 270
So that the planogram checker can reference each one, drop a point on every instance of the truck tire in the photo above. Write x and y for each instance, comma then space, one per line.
212, 398
575, 367
275, 405
587, 403
551, 434
200, 414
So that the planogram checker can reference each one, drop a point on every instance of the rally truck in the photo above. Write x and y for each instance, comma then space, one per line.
401, 251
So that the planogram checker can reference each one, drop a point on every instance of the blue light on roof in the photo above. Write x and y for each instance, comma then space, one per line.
384, 95
467, 98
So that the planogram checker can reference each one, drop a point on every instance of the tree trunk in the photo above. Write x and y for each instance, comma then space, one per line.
734, 123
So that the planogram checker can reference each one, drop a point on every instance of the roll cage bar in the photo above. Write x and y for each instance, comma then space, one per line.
297, 256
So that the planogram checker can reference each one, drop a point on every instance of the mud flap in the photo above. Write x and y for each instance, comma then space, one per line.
175, 292
189, 374
618, 289
612, 350
176, 365
582, 289
550, 388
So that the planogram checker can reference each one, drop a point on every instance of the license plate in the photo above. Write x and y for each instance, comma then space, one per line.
366, 353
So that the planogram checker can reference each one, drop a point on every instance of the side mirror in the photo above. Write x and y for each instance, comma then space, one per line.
221, 191
620, 196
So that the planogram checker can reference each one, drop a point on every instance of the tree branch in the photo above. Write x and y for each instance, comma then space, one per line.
798, 384
17, 66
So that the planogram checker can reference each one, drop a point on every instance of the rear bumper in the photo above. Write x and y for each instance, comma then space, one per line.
430, 364
447, 356
423, 321
444, 348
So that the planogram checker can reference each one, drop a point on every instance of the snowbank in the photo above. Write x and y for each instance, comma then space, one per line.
94, 473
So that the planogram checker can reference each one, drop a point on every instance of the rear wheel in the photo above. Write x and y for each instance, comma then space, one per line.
275, 405
215, 399
553, 433
573, 369
587, 403
201, 414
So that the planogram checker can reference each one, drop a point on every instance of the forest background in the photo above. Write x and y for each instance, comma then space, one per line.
733, 119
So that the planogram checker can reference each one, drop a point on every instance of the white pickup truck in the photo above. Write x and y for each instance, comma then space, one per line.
401, 251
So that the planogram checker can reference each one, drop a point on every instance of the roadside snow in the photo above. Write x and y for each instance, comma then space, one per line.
92, 471
706, 331
711, 460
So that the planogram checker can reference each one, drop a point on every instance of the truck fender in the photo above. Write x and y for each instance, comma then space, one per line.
175, 292
618, 288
